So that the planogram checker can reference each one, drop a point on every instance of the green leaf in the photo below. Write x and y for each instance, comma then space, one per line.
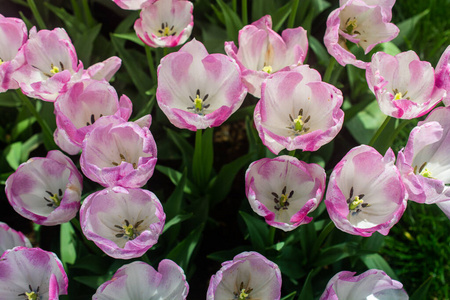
131, 36
21, 126
319, 50
232, 21
84, 43
173, 205
376, 261
225, 255
290, 296
366, 122
422, 290
258, 231
335, 253
307, 291
92, 263
407, 28
175, 176
280, 16
13, 154
182, 253
176, 220
221, 184
9, 100
31, 144
71, 23
92, 281
186, 149
67, 244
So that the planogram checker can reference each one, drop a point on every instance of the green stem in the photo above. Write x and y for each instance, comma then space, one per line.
197, 168
329, 71
397, 130
379, 131
272, 231
244, 12
292, 153
165, 51
151, 64
36, 14
234, 5
48, 135
293, 14
323, 235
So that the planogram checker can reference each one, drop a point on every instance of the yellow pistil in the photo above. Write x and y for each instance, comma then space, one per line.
31, 296
129, 231
54, 69
398, 96
298, 123
267, 69
283, 200
426, 173
243, 295
166, 31
198, 102
354, 204
55, 199
350, 25
1, 61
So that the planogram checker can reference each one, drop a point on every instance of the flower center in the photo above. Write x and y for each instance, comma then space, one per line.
1, 61
298, 125
281, 202
32, 295
166, 30
399, 95
128, 231
351, 25
268, 69
93, 119
356, 203
242, 294
123, 159
55, 199
198, 102
425, 172
54, 69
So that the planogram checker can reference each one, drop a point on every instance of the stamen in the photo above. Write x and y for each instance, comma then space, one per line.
350, 26
267, 69
55, 199
1, 61
54, 69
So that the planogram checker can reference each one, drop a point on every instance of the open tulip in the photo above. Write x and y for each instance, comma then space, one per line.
362, 22
139, 281
31, 273
9, 238
365, 192
248, 276
124, 223
372, 284
262, 51
13, 34
403, 84
119, 153
165, 23
197, 90
442, 75
48, 62
46, 190
298, 111
425, 164
81, 105
131, 4
284, 190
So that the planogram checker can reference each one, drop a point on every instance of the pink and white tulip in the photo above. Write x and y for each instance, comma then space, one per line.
403, 84
442, 75
46, 190
13, 34
248, 276
124, 223
165, 23
31, 273
131, 4
48, 62
9, 238
372, 284
197, 90
262, 51
362, 22
284, 190
119, 153
365, 192
424, 163
298, 111
139, 281
77, 109
104, 70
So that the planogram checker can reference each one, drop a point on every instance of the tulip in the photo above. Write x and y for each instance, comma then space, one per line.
372, 284
284, 190
262, 52
363, 22
298, 111
124, 223
365, 192
165, 23
139, 281
442, 75
248, 276
197, 90
46, 190
9, 238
